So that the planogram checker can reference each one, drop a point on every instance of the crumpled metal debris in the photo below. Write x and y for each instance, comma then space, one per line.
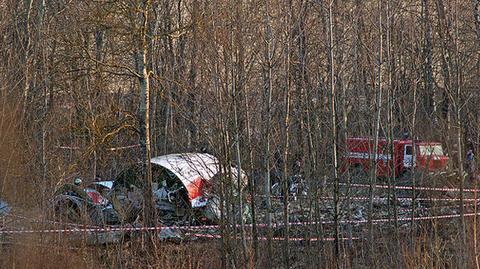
4, 208
184, 191
170, 234
72, 203
112, 237
102, 238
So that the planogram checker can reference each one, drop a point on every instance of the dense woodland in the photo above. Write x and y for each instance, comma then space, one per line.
88, 87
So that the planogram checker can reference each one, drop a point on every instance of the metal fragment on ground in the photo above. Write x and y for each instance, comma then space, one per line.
4, 208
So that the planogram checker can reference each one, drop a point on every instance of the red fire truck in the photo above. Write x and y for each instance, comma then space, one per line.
426, 156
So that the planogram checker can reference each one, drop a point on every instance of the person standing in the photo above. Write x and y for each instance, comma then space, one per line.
470, 164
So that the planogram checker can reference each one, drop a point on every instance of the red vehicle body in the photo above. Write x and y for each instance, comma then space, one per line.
426, 156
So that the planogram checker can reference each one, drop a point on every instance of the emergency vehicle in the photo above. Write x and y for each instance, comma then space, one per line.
426, 156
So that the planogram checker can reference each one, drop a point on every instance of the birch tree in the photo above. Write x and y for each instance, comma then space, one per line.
141, 58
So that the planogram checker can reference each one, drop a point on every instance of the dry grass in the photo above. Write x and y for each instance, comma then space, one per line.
11, 155
434, 245
27, 253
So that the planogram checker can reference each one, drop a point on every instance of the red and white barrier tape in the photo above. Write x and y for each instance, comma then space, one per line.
276, 225
87, 230
356, 198
206, 227
262, 238
91, 228
407, 187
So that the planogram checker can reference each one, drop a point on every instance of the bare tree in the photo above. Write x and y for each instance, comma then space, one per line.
268, 87
376, 128
141, 59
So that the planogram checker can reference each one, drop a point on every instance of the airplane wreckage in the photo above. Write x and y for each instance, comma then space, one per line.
185, 191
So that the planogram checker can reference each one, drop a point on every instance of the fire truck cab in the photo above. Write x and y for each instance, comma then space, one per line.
424, 156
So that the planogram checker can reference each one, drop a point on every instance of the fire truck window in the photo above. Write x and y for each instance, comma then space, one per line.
408, 150
431, 150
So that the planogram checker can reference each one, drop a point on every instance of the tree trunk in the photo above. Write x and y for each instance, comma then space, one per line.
268, 85
378, 110
144, 116
428, 63
286, 123
333, 119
